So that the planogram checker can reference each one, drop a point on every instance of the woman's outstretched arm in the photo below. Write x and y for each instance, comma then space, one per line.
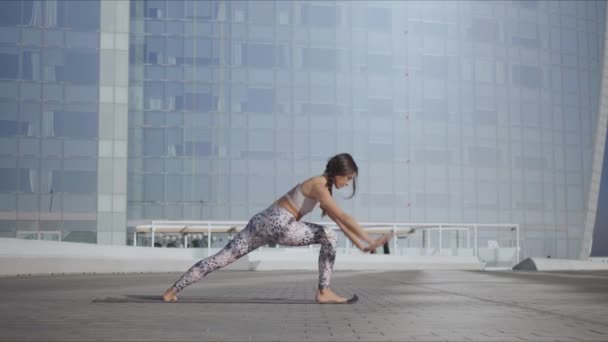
347, 224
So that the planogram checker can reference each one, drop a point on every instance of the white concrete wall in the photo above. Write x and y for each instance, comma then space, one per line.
544, 264
19, 257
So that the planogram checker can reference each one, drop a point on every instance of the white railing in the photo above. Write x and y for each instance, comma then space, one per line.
425, 236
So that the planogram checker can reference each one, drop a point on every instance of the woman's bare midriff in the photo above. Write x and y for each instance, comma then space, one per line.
305, 186
284, 203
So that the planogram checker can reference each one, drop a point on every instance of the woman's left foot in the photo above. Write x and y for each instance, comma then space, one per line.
327, 296
170, 295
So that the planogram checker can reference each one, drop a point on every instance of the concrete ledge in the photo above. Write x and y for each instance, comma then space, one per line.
544, 264
308, 260
24, 257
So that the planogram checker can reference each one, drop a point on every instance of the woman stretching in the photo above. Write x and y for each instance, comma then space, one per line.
280, 224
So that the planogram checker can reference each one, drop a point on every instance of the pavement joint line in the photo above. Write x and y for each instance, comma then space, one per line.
511, 304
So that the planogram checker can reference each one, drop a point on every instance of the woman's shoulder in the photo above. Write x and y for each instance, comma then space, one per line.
308, 185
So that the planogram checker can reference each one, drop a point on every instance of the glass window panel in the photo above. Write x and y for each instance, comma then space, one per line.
8, 202
27, 202
319, 59
12, 128
261, 140
381, 64
527, 76
260, 100
262, 12
435, 67
154, 144
154, 188
79, 203
174, 188
29, 147
84, 40
8, 179
319, 15
260, 55
75, 124
80, 15
80, 68
10, 15
53, 37
9, 65
175, 9
74, 181
379, 18
483, 30
80, 148
31, 36
9, 35
81, 93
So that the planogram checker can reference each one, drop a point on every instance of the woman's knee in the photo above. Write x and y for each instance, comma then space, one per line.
331, 235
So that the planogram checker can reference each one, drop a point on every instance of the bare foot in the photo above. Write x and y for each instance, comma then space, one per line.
328, 296
170, 295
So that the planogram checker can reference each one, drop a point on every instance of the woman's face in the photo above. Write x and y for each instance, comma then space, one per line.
342, 181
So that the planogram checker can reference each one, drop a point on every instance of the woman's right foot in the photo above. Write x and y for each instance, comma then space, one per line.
326, 296
170, 295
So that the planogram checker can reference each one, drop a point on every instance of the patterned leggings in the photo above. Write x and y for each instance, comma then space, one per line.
273, 225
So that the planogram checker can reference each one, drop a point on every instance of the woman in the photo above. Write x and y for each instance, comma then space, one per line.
280, 224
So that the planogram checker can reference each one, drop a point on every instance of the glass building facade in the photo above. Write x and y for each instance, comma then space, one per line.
49, 91
456, 112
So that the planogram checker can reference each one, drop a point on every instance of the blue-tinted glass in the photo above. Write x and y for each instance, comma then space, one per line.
175, 9
75, 124
80, 68
153, 188
31, 36
80, 15
12, 128
28, 179
259, 55
319, 59
154, 142
9, 65
379, 18
484, 30
82, 40
10, 13
30, 65
8, 180
319, 16
260, 100
435, 67
74, 181
200, 102
527, 76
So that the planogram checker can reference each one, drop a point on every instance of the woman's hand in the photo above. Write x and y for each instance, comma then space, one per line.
378, 242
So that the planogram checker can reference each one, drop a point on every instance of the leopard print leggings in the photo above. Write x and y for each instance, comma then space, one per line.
273, 225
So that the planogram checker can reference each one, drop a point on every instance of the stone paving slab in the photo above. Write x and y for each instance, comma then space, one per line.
393, 306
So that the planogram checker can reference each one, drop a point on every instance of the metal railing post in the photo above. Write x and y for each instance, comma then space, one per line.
428, 239
440, 241
517, 236
135, 238
475, 249
208, 239
152, 234
394, 239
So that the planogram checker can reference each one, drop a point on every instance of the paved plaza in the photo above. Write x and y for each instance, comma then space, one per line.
273, 305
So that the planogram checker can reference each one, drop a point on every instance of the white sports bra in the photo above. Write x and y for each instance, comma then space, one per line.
301, 203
